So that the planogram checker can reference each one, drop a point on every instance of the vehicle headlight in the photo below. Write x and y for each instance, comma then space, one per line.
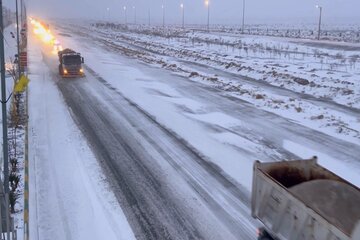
81, 70
65, 71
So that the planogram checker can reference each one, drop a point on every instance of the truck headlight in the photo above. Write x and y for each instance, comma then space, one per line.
81, 70
65, 71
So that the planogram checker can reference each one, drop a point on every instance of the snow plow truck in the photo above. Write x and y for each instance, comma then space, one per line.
70, 63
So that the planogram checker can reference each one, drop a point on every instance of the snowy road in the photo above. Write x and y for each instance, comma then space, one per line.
281, 96
254, 121
178, 153
69, 198
165, 187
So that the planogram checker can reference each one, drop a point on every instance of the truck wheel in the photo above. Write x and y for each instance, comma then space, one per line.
263, 235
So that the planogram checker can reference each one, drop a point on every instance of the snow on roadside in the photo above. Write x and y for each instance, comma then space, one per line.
292, 65
282, 72
329, 121
16, 138
69, 195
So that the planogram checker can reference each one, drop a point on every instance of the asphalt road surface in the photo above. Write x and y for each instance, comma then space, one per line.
158, 178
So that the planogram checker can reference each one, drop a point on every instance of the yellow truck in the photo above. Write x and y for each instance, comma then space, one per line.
70, 63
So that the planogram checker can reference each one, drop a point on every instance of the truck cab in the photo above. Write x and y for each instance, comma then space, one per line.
70, 63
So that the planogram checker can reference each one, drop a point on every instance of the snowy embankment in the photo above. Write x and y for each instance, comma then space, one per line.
16, 132
69, 196
291, 79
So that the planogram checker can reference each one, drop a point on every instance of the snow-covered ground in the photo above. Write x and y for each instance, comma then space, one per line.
315, 86
340, 32
69, 196
16, 137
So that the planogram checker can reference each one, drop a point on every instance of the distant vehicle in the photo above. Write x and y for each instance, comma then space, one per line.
300, 200
70, 63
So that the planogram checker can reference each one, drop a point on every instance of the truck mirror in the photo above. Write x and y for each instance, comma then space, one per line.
82, 60
16, 55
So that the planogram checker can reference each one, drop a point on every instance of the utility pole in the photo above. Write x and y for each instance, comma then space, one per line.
4, 124
108, 14
134, 8
319, 30
163, 10
183, 15
207, 3
125, 15
18, 38
22, 8
243, 18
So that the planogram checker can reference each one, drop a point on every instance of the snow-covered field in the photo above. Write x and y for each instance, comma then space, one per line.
333, 32
321, 77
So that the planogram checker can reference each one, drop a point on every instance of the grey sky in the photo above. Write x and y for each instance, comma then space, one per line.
221, 11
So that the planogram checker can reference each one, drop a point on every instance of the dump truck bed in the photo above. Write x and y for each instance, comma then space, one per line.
302, 200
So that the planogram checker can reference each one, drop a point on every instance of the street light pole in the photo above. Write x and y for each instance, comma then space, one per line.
163, 8
3, 102
18, 37
319, 30
4, 124
183, 15
125, 15
21, 13
149, 17
243, 18
134, 14
207, 3
108, 13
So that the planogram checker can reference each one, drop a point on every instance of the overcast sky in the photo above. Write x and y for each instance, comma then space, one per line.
221, 11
